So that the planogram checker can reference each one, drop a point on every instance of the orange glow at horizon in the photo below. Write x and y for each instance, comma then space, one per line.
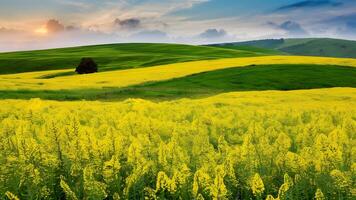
41, 31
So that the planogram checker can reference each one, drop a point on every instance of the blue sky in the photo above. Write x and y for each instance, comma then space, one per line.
231, 8
199, 8
24, 23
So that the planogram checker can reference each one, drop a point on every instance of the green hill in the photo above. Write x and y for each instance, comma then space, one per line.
251, 78
113, 56
305, 46
266, 51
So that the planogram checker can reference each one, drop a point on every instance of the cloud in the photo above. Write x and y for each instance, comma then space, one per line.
54, 26
150, 36
213, 33
131, 23
310, 4
76, 3
349, 20
292, 29
319, 18
72, 28
341, 25
4, 30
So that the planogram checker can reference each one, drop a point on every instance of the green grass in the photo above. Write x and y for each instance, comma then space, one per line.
325, 47
112, 57
251, 78
265, 51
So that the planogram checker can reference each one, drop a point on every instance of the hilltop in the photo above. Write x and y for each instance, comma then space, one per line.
325, 47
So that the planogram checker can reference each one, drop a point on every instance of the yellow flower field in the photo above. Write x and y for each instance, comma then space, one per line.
124, 78
244, 145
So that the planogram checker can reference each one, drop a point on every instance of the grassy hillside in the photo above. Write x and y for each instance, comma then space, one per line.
250, 78
266, 51
306, 46
323, 47
112, 57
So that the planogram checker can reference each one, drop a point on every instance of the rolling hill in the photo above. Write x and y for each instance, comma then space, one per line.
325, 47
189, 79
113, 57
124, 78
169, 71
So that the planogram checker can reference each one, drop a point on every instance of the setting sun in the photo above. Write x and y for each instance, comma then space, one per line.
41, 31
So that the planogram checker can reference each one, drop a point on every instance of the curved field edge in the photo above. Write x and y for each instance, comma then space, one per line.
124, 78
308, 98
209, 83
297, 142
250, 78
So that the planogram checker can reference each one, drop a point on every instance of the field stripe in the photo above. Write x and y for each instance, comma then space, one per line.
125, 78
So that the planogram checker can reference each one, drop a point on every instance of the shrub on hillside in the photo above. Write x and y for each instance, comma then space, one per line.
86, 66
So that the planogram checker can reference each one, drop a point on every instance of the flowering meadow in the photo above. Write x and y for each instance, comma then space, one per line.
246, 145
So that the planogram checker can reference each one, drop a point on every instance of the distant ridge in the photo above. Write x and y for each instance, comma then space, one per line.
326, 47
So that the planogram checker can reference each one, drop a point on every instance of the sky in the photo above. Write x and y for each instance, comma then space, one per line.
41, 24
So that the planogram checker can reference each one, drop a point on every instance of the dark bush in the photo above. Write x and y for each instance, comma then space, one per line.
87, 66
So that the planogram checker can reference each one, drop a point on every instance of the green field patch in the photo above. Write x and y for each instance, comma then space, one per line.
266, 51
251, 78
